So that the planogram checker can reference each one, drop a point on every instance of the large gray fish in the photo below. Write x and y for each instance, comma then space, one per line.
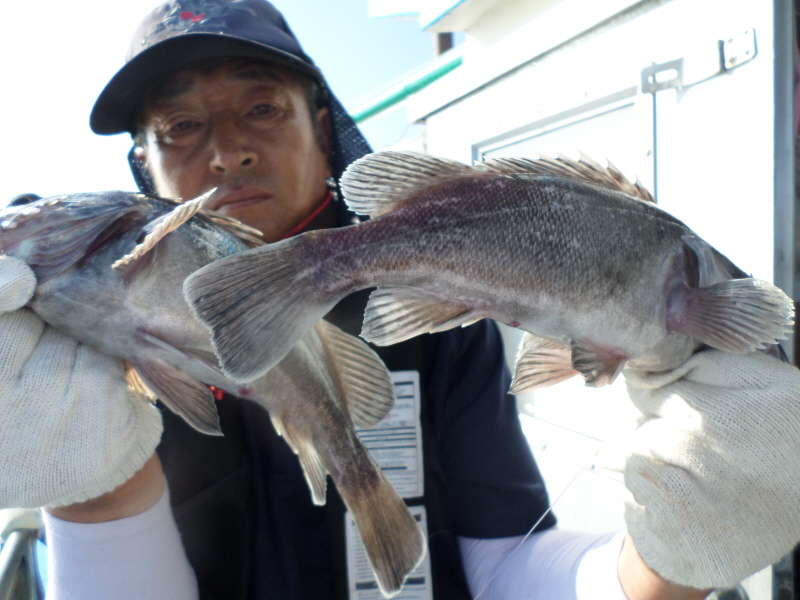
136, 311
596, 276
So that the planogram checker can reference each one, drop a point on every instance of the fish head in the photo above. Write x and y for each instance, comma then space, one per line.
52, 234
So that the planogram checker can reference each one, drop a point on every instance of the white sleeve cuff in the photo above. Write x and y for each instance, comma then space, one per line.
550, 564
136, 558
597, 577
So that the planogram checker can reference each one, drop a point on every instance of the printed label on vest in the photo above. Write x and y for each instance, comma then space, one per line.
360, 580
395, 443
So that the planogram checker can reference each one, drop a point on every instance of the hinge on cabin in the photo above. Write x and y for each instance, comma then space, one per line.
703, 62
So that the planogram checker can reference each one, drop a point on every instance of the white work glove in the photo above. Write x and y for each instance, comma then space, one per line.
714, 470
69, 428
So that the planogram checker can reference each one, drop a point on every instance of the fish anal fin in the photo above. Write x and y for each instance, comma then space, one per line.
366, 381
184, 396
540, 363
313, 469
391, 535
377, 183
598, 366
735, 315
397, 313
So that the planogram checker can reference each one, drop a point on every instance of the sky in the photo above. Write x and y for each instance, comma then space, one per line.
57, 56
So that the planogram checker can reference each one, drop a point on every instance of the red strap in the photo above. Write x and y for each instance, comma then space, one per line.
311, 217
218, 393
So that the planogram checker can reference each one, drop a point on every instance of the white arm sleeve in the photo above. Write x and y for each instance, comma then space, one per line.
136, 558
550, 564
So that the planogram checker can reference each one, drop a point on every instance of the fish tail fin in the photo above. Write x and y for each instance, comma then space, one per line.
391, 535
257, 304
736, 315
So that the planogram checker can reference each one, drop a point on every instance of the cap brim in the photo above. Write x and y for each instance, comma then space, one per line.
117, 106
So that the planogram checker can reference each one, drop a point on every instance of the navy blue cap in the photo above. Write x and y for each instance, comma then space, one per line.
181, 32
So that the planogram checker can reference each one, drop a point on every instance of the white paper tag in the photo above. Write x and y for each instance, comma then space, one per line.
395, 443
360, 579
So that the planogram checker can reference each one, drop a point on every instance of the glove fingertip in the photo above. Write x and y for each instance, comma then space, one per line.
17, 283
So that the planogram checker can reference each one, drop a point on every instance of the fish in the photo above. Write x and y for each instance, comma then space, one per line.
596, 275
110, 268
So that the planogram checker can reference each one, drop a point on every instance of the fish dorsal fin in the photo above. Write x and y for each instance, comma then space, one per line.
249, 235
397, 313
377, 183
584, 169
367, 383
160, 227
540, 363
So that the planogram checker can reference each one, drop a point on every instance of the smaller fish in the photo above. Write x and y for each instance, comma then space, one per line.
110, 268
596, 277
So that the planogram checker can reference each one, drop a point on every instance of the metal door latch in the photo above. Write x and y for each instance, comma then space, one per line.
704, 62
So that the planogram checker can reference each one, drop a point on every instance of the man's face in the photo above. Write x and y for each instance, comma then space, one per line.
245, 128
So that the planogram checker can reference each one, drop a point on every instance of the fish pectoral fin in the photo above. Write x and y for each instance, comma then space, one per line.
367, 383
201, 361
377, 183
184, 396
302, 446
712, 266
540, 363
395, 314
136, 383
736, 315
598, 366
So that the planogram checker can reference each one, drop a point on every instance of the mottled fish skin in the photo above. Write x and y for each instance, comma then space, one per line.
610, 277
536, 253
138, 313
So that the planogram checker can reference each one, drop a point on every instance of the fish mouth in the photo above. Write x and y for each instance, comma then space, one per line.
239, 199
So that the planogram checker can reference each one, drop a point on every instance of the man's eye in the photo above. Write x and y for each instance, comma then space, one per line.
183, 126
263, 109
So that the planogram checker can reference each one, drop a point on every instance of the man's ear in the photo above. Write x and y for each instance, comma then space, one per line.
324, 130
140, 154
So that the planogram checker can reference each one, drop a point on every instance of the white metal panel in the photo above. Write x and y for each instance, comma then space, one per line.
707, 150
546, 25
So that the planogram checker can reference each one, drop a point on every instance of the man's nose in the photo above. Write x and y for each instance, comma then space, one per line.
231, 151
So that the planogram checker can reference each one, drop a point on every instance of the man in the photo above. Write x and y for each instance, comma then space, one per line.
219, 94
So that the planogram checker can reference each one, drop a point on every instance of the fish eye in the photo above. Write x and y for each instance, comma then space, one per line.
23, 199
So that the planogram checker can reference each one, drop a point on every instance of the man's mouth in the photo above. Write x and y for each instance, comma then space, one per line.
239, 199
